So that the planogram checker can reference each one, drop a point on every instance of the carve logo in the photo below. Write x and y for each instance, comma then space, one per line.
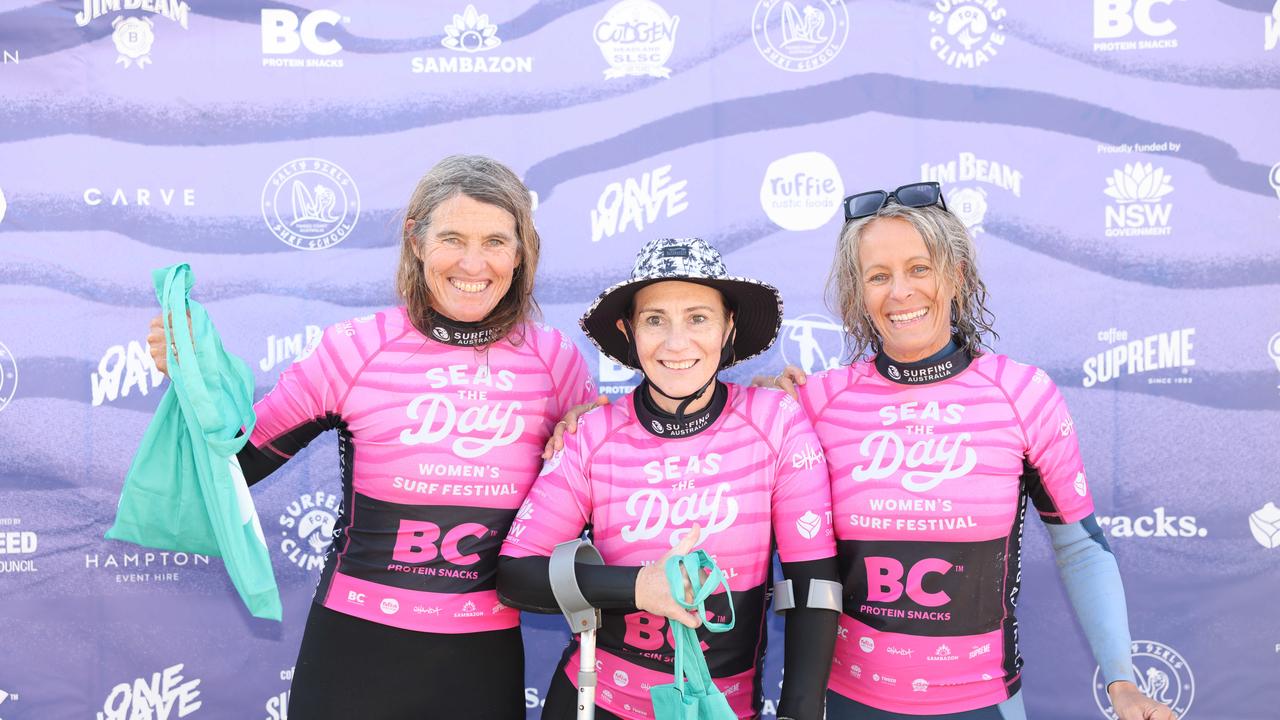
165, 694
1162, 674
799, 37
284, 34
636, 204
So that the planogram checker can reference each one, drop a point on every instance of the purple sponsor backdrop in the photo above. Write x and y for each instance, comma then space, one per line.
1115, 160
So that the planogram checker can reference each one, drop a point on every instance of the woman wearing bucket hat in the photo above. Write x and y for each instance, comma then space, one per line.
441, 406
935, 447
685, 458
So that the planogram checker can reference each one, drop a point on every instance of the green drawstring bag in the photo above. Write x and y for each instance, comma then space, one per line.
185, 491
693, 696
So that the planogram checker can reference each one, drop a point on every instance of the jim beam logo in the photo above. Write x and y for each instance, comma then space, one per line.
134, 35
968, 182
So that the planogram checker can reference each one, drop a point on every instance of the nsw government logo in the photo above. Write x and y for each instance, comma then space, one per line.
8, 376
470, 34
636, 37
307, 526
812, 342
966, 33
134, 35
801, 191
310, 204
800, 38
1139, 208
1162, 675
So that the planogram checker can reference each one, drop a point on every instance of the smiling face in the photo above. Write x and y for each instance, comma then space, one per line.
908, 301
680, 328
469, 255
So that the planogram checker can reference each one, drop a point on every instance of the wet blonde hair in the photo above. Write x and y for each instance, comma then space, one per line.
487, 181
953, 253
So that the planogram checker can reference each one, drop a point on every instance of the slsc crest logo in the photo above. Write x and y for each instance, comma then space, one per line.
1162, 675
310, 204
799, 37
284, 34
801, 191
1114, 21
636, 37
134, 35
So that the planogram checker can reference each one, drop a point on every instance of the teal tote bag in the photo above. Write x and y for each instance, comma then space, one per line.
184, 491
693, 696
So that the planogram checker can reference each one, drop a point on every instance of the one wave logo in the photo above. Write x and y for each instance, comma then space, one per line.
285, 34
801, 191
1271, 28
1264, 523
133, 36
637, 203
471, 34
310, 204
123, 369
636, 37
165, 694
1114, 20
1158, 524
968, 180
8, 376
808, 525
1162, 351
1139, 209
1162, 674
799, 37
966, 34
811, 342
307, 526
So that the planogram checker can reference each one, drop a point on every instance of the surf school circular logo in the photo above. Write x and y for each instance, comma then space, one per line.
1162, 675
8, 376
310, 204
803, 38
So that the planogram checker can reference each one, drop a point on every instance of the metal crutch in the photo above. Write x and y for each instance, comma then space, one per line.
583, 619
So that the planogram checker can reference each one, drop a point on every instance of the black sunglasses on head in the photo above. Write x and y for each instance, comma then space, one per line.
913, 195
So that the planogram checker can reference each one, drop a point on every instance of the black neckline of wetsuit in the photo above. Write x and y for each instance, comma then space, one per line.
457, 333
946, 363
663, 424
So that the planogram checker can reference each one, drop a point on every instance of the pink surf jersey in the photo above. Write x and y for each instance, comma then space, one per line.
439, 445
754, 477
929, 484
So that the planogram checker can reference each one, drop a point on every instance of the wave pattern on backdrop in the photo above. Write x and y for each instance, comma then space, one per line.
1112, 158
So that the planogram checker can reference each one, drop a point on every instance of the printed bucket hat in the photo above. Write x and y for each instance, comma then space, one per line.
757, 305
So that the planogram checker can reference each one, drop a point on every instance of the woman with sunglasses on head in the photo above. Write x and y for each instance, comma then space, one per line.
935, 446
441, 406
685, 459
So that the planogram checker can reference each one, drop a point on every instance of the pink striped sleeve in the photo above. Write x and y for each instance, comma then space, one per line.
558, 506
802, 490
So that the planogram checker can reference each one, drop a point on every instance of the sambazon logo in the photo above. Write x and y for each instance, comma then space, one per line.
1138, 208
966, 33
470, 34
285, 34
967, 181
1162, 674
636, 37
307, 526
134, 35
283, 348
801, 191
122, 370
811, 341
1158, 524
637, 203
164, 694
1115, 21
1162, 351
